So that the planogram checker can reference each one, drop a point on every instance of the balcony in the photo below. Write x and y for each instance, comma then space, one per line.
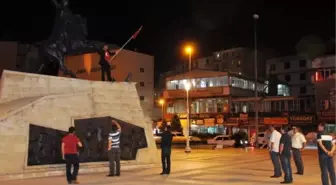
197, 93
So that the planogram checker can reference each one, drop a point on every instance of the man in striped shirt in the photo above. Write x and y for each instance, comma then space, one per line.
326, 150
114, 149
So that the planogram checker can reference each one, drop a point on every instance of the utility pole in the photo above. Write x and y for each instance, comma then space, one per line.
256, 103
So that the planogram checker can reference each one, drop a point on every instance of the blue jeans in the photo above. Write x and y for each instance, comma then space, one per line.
327, 166
286, 167
276, 163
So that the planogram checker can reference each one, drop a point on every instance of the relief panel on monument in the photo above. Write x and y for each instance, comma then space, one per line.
94, 132
45, 143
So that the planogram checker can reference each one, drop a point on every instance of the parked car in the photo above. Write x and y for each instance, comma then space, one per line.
178, 137
262, 138
224, 140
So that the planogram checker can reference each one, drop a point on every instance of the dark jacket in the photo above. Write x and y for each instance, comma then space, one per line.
102, 60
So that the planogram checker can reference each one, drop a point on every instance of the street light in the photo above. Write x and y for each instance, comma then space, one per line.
187, 87
161, 102
256, 106
189, 50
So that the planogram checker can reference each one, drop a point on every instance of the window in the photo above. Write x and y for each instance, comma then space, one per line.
273, 67
226, 138
142, 84
303, 90
238, 64
288, 78
302, 76
142, 98
142, 70
302, 63
219, 138
286, 65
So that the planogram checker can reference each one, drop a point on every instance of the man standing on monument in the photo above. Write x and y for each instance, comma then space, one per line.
70, 155
105, 56
114, 149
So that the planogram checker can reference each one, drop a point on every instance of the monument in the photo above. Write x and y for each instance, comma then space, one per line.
36, 111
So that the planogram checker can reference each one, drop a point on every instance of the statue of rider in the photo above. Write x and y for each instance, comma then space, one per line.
63, 23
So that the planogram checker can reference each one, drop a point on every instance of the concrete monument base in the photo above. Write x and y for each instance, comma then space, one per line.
56, 103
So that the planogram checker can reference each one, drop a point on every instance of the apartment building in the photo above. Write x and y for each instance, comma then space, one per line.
294, 70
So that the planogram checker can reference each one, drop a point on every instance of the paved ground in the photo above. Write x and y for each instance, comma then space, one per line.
201, 167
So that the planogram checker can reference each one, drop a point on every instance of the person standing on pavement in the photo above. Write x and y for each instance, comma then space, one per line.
70, 155
274, 151
326, 149
166, 144
285, 155
114, 149
298, 145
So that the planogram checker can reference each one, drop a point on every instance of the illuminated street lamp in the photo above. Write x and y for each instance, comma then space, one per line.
161, 102
189, 50
187, 87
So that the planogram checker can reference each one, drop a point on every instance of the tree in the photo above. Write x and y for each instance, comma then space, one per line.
311, 45
163, 125
176, 124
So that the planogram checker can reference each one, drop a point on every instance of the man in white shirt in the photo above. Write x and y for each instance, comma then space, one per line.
273, 147
298, 144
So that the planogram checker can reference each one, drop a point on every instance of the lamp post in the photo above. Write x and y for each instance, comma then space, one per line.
187, 88
189, 51
161, 102
256, 106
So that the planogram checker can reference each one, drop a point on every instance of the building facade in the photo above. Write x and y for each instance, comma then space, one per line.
294, 70
222, 103
238, 61
210, 98
323, 67
324, 80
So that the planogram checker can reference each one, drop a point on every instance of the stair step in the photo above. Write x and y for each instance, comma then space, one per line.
58, 170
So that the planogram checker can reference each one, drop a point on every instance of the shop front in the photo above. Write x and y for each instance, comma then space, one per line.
330, 119
201, 124
307, 122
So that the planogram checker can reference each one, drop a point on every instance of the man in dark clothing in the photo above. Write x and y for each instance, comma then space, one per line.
166, 143
70, 155
114, 149
326, 149
285, 155
105, 56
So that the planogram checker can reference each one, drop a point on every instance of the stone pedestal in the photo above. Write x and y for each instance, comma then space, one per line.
55, 103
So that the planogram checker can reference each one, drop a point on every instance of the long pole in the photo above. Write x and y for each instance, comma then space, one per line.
188, 149
256, 106
122, 47
162, 110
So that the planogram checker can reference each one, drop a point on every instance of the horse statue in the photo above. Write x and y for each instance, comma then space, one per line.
69, 37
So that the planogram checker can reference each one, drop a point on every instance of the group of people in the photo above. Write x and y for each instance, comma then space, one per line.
71, 142
282, 146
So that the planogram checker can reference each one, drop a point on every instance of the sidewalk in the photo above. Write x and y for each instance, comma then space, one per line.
201, 167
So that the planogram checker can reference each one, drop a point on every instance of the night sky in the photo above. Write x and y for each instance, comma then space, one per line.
211, 24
